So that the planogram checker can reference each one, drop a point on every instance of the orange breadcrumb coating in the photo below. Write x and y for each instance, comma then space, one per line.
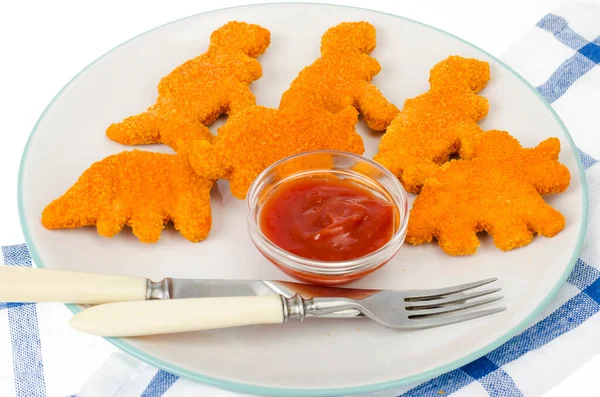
341, 76
193, 95
317, 113
498, 190
437, 124
143, 190
257, 137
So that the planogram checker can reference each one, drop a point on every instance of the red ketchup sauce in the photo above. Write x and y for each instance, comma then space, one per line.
326, 219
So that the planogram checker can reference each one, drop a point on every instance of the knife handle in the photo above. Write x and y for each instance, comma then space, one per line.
123, 319
27, 284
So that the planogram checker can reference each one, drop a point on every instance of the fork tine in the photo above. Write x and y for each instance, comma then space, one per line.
438, 293
414, 314
436, 321
450, 300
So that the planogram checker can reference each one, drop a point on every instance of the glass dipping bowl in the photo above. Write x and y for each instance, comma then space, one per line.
360, 170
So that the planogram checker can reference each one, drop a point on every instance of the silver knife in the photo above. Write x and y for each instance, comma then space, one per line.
23, 284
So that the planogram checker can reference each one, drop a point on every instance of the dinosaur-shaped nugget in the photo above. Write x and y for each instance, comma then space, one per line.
140, 189
258, 136
195, 93
341, 77
497, 190
437, 124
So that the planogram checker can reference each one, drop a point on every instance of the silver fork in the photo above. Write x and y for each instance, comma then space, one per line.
412, 309
405, 309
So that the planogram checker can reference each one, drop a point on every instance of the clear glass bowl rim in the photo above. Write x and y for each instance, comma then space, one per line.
317, 267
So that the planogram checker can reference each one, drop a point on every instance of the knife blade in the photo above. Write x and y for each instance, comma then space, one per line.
21, 284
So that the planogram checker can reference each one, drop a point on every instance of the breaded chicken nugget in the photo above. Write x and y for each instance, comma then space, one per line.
342, 76
318, 112
257, 137
437, 124
193, 95
498, 190
143, 190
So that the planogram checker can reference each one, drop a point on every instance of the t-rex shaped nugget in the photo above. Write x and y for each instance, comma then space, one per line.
143, 190
437, 124
197, 92
341, 76
498, 191
257, 137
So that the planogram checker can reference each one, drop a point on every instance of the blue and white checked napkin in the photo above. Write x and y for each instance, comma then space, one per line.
561, 57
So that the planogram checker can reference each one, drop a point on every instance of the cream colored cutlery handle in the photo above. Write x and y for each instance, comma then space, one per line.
178, 315
26, 284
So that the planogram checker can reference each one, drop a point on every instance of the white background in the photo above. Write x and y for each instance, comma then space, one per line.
44, 44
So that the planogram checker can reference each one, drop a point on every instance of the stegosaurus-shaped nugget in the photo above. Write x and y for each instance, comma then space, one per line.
140, 189
498, 190
437, 124
341, 77
195, 93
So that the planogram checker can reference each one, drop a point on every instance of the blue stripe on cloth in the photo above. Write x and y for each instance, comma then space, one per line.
566, 74
583, 275
586, 159
26, 345
494, 379
593, 291
591, 51
480, 368
559, 27
159, 384
4, 305
444, 384
500, 384
16, 255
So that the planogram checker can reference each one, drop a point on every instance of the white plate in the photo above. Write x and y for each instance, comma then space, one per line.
316, 357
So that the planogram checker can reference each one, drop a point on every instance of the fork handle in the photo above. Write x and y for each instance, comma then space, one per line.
123, 319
